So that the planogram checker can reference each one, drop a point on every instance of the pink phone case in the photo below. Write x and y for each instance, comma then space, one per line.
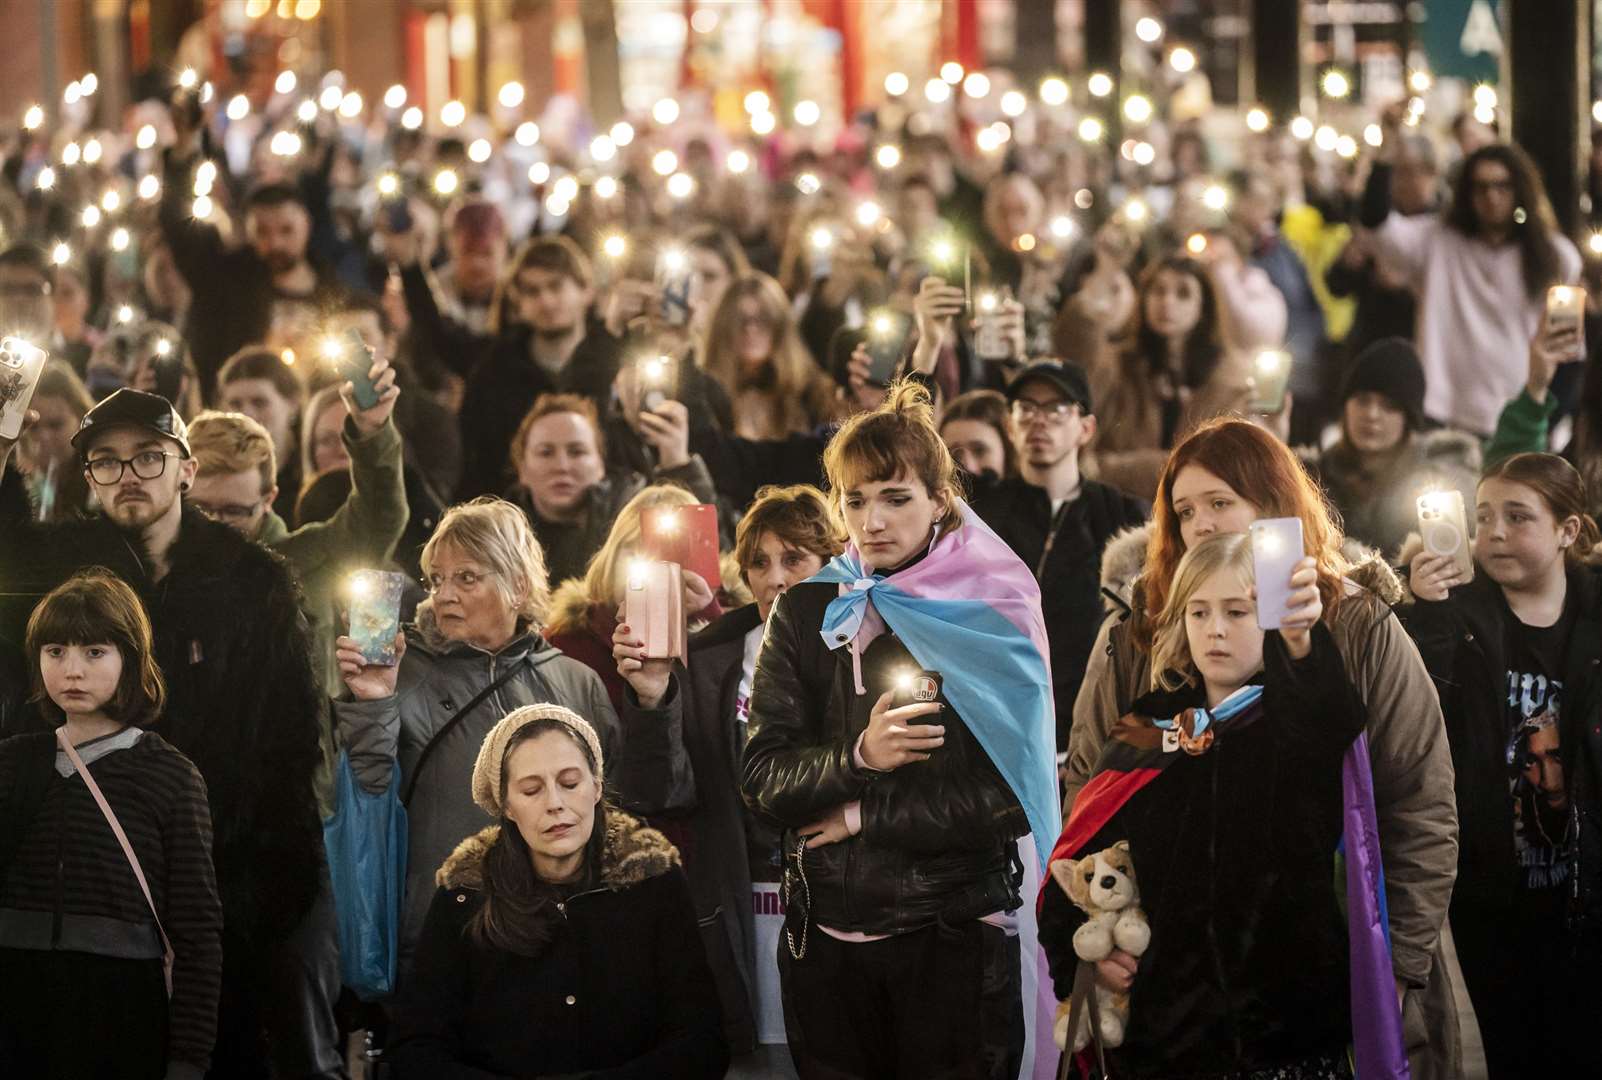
653, 607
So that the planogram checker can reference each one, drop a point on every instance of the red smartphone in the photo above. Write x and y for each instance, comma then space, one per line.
687, 535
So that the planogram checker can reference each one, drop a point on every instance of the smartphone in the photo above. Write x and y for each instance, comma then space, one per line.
398, 214
375, 603
1443, 526
989, 341
1276, 549
353, 359
918, 687
1565, 308
686, 535
653, 607
820, 250
21, 363
654, 374
886, 336
1270, 378
673, 278
168, 373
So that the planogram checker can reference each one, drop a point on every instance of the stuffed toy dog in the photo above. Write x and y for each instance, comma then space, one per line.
1103, 887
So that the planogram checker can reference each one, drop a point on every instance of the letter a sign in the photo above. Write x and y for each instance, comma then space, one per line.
1481, 34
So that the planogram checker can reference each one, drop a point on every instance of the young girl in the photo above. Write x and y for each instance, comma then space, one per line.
1515, 655
75, 925
1225, 779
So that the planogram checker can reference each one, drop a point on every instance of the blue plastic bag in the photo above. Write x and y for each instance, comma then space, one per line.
366, 843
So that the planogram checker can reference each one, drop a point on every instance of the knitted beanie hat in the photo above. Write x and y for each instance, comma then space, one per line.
487, 770
1391, 367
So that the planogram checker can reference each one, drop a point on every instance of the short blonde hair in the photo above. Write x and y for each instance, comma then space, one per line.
601, 578
1171, 663
230, 442
496, 533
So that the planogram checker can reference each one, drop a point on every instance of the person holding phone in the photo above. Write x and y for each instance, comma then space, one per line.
1515, 654
1252, 980
1221, 478
476, 641
56, 485
684, 726
1481, 268
1384, 457
568, 491
902, 823
584, 612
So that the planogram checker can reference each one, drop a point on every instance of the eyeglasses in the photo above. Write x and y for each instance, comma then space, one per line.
1025, 410
228, 512
464, 581
147, 465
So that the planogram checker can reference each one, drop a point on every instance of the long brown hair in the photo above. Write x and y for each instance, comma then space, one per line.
1560, 486
802, 396
1538, 252
1144, 352
1263, 471
519, 912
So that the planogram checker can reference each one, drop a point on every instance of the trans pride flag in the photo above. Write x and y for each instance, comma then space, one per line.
970, 609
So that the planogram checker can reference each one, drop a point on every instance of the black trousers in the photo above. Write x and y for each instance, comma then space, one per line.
1538, 997
941, 1002
73, 1015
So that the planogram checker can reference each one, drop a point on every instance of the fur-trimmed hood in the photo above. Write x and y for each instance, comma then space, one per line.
633, 853
1125, 554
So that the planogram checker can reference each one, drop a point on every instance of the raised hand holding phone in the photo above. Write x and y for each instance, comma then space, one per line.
1554, 344
1284, 575
367, 681
937, 307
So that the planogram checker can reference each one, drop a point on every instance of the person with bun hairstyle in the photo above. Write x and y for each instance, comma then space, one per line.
901, 736
561, 940
1516, 653
1225, 475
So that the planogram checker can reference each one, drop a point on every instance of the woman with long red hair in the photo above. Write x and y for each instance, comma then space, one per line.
1222, 477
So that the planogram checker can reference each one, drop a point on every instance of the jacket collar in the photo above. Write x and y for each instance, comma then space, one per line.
425, 634
633, 853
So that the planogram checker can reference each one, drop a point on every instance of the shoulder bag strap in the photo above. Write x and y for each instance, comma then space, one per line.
450, 725
127, 849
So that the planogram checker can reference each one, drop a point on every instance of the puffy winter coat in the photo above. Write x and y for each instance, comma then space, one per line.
437, 678
1413, 782
621, 993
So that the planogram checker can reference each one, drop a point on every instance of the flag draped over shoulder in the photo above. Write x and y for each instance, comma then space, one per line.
1134, 756
970, 609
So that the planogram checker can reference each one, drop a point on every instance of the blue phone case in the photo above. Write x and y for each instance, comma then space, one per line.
354, 363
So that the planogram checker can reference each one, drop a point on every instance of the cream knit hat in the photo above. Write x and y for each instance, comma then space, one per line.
487, 770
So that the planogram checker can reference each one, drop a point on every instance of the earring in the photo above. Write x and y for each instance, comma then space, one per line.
183, 488
1519, 216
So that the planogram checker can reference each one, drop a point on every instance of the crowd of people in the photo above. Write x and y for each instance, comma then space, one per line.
988, 438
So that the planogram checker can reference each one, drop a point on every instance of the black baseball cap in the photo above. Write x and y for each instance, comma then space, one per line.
1069, 378
134, 408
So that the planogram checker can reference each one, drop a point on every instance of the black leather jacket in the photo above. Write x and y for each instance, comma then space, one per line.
936, 834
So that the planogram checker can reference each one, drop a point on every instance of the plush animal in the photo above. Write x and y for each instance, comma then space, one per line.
1103, 887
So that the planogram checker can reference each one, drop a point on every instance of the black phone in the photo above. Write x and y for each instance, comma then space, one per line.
886, 335
918, 687
398, 214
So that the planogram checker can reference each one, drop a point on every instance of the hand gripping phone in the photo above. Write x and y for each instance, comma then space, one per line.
1276, 549
918, 687
375, 602
21, 364
1443, 526
653, 607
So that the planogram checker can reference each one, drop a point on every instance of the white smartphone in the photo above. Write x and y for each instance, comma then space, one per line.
989, 341
1276, 549
1565, 308
21, 364
1443, 525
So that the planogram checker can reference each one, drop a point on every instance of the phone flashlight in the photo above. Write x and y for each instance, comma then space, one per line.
388, 185
988, 302
1197, 243
1269, 361
615, 246
822, 238
882, 325
359, 586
